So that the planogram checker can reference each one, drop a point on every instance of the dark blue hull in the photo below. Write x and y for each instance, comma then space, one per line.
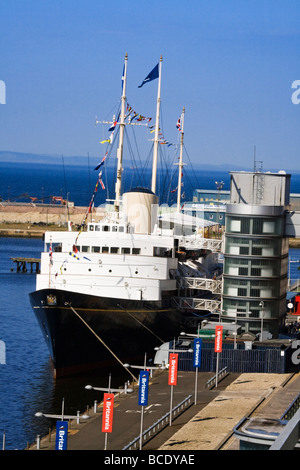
86, 332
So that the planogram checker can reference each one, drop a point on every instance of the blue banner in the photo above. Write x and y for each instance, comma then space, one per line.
143, 387
61, 435
197, 352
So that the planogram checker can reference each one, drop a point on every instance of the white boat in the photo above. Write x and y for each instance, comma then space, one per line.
112, 291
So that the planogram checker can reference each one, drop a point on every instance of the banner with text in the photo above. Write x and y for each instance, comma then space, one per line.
108, 410
173, 367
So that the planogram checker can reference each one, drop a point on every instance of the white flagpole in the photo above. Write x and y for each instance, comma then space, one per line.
156, 139
121, 139
180, 161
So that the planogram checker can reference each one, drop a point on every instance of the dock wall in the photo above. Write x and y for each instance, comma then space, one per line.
44, 214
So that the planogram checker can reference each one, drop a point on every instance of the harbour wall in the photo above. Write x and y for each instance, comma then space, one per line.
27, 220
45, 214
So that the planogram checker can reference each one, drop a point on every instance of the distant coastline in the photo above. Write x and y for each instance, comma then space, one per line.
7, 156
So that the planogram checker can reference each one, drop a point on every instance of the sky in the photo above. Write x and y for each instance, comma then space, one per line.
230, 63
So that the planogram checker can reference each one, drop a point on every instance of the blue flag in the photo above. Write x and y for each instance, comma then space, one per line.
151, 76
143, 387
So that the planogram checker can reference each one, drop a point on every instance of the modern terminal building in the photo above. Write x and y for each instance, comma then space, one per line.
259, 223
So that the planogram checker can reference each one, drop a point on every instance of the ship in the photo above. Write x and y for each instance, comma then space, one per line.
116, 288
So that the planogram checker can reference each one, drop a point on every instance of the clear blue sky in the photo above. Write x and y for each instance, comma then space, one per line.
231, 63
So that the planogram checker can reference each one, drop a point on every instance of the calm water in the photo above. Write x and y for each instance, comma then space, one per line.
26, 381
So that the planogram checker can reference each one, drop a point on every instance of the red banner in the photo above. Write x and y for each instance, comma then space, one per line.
108, 407
173, 366
218, 338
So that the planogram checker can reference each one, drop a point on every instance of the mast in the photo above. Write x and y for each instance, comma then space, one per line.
156, 139
121, 140
180, 161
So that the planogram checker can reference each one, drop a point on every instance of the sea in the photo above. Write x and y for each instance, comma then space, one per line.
27, 385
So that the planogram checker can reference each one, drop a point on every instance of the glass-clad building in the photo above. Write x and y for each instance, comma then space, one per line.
256, 251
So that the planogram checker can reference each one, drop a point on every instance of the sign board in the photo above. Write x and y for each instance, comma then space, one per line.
143, 387
108, 409
218, 338
173, 366
197, 352
61, 435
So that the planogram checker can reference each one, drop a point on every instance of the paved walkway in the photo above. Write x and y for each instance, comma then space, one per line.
201, 427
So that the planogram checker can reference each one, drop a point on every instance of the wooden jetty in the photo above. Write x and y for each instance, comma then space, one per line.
22, 264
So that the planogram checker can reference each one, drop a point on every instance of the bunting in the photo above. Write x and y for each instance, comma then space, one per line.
102, 162
135, 115
162, 140
51, 254
179, 123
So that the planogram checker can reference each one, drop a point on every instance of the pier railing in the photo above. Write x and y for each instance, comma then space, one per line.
159, 424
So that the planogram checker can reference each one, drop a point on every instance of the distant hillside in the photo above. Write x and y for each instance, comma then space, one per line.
22, 157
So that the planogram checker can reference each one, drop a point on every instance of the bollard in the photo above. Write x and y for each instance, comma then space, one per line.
38, 442
95, 406
78, 415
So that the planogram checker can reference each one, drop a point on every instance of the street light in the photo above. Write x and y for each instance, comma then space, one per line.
109, 390
61, 416
143, 368
262, 305
39, 414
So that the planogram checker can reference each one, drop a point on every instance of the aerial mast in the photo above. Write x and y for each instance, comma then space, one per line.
121, 140
156, 138
180, 161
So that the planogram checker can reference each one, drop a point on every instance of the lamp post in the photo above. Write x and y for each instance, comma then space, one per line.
108, 390
172, 382
61, 426
143, 390
197, 356
262, 305
61, 416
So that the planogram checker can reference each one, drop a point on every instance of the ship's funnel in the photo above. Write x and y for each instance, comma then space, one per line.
140, 206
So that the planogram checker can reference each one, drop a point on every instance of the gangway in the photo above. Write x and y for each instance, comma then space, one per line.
203, 283
193, 303
200, 243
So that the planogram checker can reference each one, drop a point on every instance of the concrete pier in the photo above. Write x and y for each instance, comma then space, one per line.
204, 426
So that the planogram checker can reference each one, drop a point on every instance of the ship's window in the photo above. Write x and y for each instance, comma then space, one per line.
136, 251
85, 249
121, 228
91, 228
114, 249
97, 228
105, 228
125, 251
114, 228
161, 251
96, 249
105, 249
